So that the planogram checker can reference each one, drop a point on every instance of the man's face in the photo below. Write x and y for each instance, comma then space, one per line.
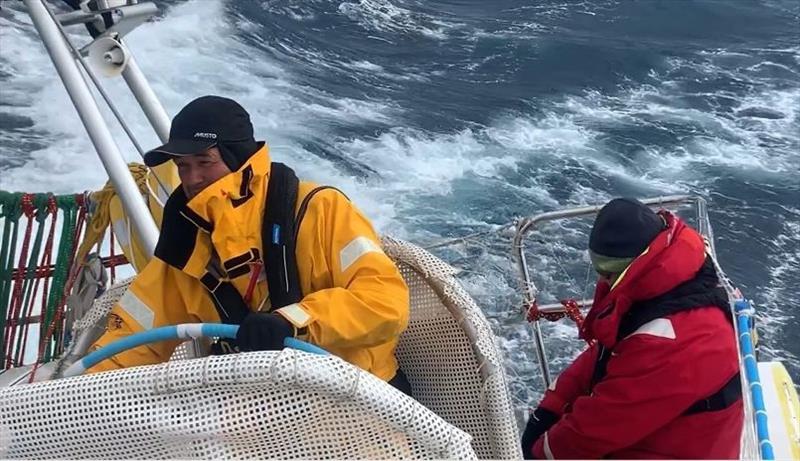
200, 170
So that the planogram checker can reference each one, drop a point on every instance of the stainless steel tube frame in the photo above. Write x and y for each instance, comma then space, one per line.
147, 99
526, 225
95, 125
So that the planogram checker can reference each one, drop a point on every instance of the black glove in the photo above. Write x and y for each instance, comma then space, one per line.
263, 332
538, 423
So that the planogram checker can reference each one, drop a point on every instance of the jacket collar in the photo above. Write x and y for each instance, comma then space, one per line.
232, 189
228, 214
673, 257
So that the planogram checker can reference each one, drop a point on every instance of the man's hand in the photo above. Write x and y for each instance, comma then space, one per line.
263, 332
539, 422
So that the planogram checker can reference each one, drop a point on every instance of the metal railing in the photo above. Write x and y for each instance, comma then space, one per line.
73, 69
527, 225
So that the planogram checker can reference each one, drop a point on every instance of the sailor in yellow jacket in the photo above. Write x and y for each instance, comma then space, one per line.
209, 259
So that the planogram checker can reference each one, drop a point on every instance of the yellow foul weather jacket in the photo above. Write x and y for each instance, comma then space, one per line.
355, 303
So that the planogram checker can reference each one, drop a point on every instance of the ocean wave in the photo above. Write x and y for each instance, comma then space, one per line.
713, 122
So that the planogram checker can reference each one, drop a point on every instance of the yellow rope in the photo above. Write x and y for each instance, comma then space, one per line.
101, 217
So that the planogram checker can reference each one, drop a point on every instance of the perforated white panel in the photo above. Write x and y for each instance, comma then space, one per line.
285, 404
450, 357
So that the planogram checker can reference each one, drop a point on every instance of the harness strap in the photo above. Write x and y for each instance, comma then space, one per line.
278, 243
278, 237
227, 300
730, 393
304, 206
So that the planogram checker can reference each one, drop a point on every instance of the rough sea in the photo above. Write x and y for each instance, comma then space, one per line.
445, 118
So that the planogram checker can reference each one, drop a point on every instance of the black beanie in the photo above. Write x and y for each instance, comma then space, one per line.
623, 228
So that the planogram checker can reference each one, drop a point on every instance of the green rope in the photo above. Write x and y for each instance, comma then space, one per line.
69, 205
7, 246
10, 210
10, 214
61, 273
10, 205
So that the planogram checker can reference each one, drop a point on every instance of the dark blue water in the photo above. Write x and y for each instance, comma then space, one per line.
663, 96
443, 118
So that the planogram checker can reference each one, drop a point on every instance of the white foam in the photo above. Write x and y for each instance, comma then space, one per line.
375, 70
407, 161
384, 16
514, 31
366, 65
553, 133
298, 12
206, 58
779, 297
720, 138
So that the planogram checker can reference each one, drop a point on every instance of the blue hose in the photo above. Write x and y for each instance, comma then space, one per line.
294, 343
182, 331
743, 316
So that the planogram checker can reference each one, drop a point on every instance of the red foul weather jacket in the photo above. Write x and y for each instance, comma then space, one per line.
639, 407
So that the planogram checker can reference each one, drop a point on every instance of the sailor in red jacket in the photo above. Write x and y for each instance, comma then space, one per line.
661, 376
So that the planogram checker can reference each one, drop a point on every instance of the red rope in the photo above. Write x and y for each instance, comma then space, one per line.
571, 311
80, 199
19, 309
47, 271
254, 274
73, 274
47, 259
16, 297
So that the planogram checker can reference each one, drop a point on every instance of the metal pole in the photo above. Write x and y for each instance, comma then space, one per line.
530, 296
147, 99
95, 125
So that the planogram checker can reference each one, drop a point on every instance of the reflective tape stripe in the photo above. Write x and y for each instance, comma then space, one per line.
357, 248
546, 447
661, 328
139, 311
295, 314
